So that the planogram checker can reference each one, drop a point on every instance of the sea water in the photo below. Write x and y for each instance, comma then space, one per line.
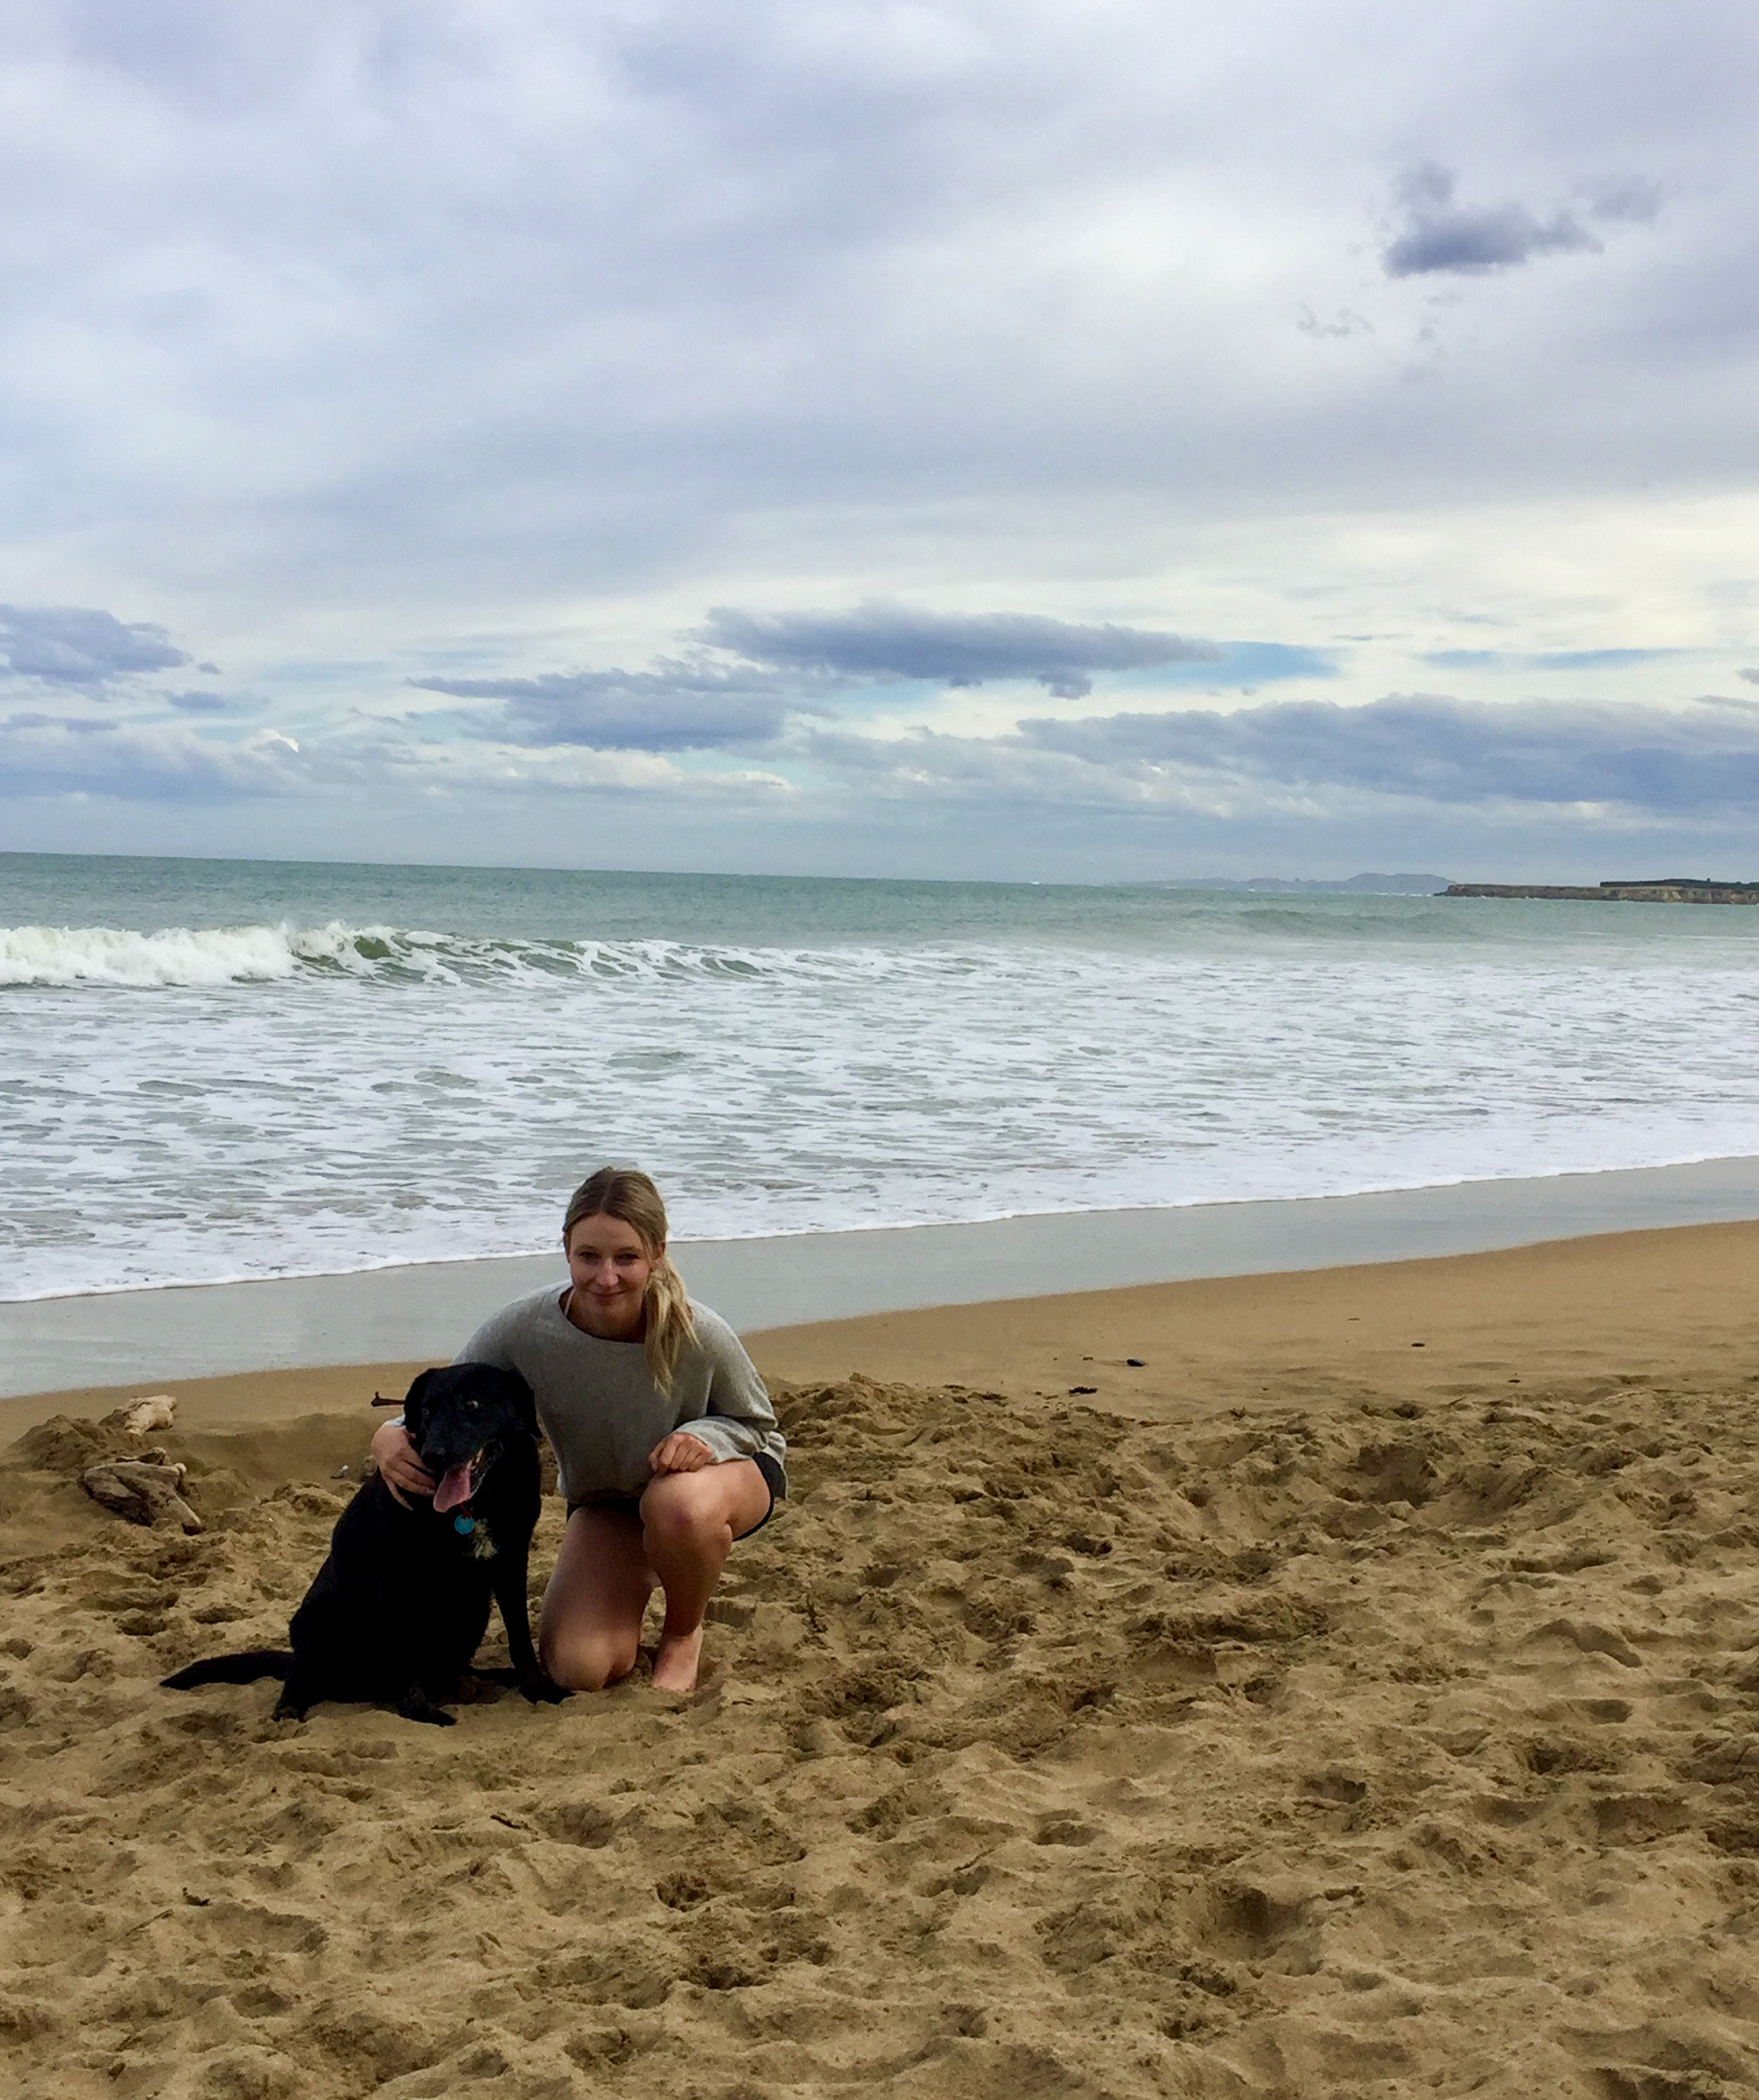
214, 1070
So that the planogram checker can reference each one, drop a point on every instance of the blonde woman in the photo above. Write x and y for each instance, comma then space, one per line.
666, 1441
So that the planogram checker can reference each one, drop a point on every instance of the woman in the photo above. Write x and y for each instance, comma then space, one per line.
666, 1441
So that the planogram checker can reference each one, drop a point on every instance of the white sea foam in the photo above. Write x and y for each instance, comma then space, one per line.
63, 956
290, 1099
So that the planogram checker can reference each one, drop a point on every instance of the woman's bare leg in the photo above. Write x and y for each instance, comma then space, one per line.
689, 1523
591, 1630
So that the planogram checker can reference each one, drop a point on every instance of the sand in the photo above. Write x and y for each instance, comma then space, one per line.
1297, 1711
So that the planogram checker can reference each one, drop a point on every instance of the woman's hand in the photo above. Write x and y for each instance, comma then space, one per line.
399, 1467
679, 1453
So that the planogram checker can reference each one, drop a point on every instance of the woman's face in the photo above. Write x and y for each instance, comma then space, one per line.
610, 1265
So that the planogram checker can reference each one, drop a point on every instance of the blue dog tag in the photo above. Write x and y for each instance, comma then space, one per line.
464, 1525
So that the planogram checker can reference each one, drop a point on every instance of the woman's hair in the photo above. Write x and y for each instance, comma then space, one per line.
626, 1194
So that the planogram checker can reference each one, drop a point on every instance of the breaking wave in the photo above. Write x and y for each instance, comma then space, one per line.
68, 958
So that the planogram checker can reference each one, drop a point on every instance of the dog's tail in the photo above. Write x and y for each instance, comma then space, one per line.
243, 1668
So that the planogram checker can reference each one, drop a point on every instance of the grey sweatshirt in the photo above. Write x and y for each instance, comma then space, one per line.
603, 1414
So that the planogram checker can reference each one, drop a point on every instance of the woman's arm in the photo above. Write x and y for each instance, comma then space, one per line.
399, 1467
740, 1421
681, 1452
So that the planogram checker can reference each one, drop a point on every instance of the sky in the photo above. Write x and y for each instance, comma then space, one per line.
1115, 439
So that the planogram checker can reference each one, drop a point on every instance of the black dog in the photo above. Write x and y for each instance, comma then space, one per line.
398, 1611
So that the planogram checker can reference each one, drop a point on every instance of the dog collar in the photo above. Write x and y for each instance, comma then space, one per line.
463, 1523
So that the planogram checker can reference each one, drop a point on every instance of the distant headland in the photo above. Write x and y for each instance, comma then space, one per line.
1669, 889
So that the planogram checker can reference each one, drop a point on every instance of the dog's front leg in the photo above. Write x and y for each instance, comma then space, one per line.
416, 1705
508, 1582
300, 1694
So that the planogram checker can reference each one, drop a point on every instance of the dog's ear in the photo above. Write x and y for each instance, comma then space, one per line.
524, 1401
412, 1400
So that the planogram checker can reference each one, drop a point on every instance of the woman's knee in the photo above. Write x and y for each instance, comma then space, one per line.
587, 1662
677, 1505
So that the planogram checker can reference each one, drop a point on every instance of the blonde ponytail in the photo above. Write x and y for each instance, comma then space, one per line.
670, 1323
626, 1194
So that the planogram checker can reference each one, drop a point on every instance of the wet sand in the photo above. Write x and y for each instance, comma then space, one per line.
1299, 1711
392, 1315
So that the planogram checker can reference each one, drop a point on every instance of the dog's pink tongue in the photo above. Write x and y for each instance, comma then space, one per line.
454, 1489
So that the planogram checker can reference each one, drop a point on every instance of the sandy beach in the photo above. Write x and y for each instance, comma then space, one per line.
1342, 1682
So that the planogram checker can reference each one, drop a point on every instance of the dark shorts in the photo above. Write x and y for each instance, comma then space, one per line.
773, 1480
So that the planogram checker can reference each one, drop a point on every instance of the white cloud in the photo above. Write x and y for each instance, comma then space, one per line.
475, 344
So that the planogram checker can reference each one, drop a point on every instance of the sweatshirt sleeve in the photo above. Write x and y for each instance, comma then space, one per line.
739, 1422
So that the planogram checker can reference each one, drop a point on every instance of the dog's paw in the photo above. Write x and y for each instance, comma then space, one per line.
417, 1706
542, 1691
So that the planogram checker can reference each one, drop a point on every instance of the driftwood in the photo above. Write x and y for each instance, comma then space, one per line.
140, 1417
147, 1489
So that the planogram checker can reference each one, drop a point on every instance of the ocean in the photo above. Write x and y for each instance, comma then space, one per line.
221, 1070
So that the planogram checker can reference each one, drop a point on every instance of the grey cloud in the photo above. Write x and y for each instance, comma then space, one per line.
679, 707
1698, 758
371, 765
1751, 676
1600, 659
1603, 659
1340, 326
1441, 235
792, 662
896, 642
77, 645
61, 725
1627, 200
199, 703
43, 754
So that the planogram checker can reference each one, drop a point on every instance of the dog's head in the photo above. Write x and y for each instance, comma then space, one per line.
460, 1419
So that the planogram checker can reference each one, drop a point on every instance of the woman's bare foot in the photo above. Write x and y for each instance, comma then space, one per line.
677, 1660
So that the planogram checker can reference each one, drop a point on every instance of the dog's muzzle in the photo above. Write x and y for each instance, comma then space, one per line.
459, 1483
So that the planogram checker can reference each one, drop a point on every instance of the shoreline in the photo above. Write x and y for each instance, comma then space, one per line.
1721, 1177
1654, 1305
1605, 1312
399, 1316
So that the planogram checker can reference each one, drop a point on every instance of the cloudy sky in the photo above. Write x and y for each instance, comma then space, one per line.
1104, 438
